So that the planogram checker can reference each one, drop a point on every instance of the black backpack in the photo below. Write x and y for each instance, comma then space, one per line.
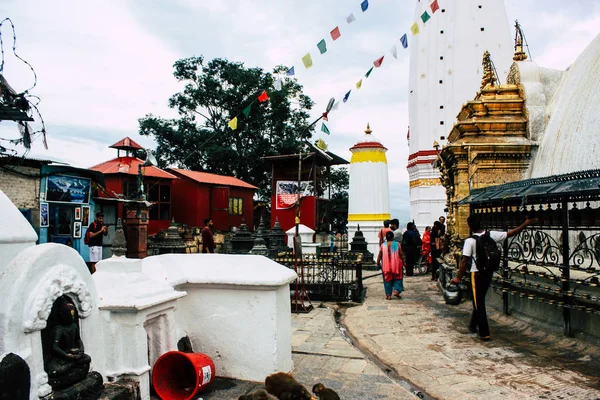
487, 252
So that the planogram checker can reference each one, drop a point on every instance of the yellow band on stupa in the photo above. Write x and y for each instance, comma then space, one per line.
368, 217
368, 156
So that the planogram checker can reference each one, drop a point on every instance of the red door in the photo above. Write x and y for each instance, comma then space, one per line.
219, 204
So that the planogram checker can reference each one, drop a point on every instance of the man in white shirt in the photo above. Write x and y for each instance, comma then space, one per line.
480, 280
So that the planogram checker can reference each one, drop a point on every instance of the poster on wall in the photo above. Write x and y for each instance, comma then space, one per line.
77, 213
286, 193
77, 230
85, 218
68, 189
44, 216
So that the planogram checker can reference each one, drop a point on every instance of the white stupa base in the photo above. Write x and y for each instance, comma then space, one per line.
369, 229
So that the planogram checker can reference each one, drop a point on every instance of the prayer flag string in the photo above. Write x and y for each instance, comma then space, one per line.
335, 34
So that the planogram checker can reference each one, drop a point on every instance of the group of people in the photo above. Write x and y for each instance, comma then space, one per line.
400, 250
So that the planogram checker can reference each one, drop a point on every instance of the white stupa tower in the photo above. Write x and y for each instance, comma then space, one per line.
445, 72
369, 195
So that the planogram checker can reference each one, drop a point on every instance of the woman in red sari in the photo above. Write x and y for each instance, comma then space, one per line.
426, 245
392, 260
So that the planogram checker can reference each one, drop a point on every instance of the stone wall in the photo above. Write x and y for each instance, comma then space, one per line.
23, 191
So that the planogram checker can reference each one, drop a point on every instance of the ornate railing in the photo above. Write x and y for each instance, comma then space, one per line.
335, 276
555, 262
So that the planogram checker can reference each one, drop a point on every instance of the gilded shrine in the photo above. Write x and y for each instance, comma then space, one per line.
488, 145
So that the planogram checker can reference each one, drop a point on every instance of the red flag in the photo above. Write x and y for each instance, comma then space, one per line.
325, 116
377, 63
335, 33
263, 96
434, 6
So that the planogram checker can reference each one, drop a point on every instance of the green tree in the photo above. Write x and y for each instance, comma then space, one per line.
340, 183
214, 93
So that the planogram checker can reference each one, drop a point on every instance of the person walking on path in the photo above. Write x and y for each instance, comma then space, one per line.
392, 260
386, 228
426, 246
208, 240
410, 247
96, 231
434, 242
481, 274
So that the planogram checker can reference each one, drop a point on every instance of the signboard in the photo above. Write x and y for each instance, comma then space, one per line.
68, 189
286, 193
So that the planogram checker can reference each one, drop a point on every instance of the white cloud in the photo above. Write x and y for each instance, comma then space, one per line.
102, 66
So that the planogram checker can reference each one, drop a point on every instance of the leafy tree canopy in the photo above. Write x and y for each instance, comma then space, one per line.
214, 92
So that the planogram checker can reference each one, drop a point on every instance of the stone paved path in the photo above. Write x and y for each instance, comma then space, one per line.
426, 342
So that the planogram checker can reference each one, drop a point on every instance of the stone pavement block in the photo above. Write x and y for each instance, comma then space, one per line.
452, 379
354, 366
440, 372
299, 338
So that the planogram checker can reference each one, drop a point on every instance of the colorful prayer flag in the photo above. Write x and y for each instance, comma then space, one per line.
325, 118
364, 5
335, 33
324, 128
377, 63
246, 110
346, 96
414, 29
434, 6
425, 17
335, 106
350, 18
291, 72
307, 61
263, 96
404, 41
359, 84
322, 46
394, 52
233, 124
369, 72
277, 84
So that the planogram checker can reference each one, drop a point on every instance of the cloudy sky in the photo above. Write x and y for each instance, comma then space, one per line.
101, 67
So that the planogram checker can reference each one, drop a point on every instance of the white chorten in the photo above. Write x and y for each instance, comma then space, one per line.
369, 195
445, 72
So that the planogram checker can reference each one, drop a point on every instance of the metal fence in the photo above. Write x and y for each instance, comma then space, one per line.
557, 261
329, 276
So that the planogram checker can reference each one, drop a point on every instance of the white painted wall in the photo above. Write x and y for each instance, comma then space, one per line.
369, 191
139, 319
16, 234
30, 284
237, 309
461, 45
570, 139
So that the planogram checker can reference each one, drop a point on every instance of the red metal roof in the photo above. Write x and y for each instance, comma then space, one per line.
126, 143
205, 177
129, 166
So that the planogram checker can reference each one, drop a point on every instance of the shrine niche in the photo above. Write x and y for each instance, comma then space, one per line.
51, 320
65, 360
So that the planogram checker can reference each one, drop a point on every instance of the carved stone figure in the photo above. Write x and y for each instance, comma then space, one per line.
65, 362
68, 364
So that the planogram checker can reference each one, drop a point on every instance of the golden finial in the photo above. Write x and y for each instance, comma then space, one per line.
519, 53
368, 130
488, 72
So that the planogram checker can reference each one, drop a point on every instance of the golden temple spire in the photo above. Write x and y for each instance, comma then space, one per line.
520, 55
489, 78
368, 130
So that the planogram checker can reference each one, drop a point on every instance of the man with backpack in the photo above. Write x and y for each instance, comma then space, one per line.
93, 238
481, 253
